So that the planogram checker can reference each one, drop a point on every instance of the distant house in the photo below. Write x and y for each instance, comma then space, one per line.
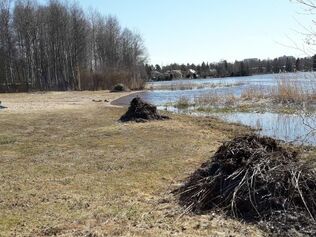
212, 72
174, 74
191, 74
157, 76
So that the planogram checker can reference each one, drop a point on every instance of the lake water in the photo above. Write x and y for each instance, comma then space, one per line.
290, 128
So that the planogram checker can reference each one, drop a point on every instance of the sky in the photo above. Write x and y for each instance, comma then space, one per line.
193, 31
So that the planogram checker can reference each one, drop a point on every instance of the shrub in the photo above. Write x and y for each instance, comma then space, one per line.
119, 88
182, 103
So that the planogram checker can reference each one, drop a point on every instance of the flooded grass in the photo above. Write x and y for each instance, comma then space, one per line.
287, 97
182, 103
280, 111
286, 92
189, 86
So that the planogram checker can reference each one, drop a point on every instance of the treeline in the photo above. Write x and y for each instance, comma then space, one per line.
246, 67
58, 46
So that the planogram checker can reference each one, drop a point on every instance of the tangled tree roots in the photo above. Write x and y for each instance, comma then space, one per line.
255, 179
139, 111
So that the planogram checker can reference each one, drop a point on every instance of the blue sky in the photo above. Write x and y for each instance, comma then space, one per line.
186, 31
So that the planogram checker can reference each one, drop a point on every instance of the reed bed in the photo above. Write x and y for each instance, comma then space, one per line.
285, 92
190, 86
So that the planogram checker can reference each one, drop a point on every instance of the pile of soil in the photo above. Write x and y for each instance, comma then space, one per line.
255, 179
140, 111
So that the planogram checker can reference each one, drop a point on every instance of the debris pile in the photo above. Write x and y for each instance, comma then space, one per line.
119, 88
140, 111
255, 179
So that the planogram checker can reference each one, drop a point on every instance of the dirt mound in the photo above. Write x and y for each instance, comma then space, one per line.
258, 180
140, 111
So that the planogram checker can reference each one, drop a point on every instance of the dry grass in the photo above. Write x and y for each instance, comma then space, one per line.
76, 171
207, 99
254, 93
214, 99
286, 92
183, 85
182, 103
292, 92
39, 102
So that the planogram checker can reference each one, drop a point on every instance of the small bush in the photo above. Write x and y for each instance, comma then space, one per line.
119, 88
182, 103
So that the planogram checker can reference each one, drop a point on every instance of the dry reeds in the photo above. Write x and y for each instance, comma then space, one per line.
254, 93
182, 103
285, 92
292, 92
207, 99
214, 99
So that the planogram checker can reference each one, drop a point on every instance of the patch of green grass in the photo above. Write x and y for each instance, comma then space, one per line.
226, 109
5, 140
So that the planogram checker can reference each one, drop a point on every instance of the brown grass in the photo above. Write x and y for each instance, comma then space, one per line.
214, 99
76, 171
254, 93
183, 85
286, 92
207, 99
291, 92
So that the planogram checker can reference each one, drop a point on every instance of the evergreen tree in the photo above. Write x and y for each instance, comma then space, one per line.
314, 63
288, 65
298, 65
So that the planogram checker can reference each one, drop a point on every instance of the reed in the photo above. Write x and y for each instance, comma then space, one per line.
292, 92
182, 103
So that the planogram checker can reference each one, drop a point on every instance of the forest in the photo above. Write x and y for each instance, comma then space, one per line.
246, 67
59, 46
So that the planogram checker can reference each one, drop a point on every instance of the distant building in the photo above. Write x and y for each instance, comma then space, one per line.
157, 76
174, 74
212, 72
191, 74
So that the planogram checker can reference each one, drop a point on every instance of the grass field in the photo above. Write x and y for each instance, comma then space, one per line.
70, 169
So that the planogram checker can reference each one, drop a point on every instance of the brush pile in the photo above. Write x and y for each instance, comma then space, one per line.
257, 180
139, 111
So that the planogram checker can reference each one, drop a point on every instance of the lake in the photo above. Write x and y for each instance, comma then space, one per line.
287, 127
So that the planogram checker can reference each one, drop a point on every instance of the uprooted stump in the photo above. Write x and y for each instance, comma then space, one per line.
140, 111
255, 179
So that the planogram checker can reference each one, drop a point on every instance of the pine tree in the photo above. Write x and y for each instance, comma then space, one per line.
314, 63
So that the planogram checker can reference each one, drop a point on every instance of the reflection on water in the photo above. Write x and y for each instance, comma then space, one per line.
290, 128
281, 126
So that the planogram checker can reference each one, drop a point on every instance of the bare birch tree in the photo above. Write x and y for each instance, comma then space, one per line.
56, 46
